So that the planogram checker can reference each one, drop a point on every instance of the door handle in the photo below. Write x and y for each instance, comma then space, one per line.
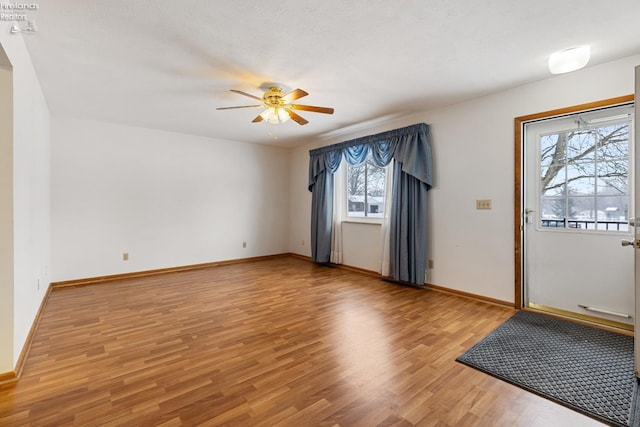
632, 222
529, 215
632, 243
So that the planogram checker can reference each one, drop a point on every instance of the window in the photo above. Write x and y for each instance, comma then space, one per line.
584, 176
365, 190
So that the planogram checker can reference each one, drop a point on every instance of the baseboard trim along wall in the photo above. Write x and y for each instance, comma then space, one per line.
112, 277
8, 377
469, 295
426, 285
14, 376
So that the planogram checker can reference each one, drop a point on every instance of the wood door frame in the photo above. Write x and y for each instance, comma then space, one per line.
519, 123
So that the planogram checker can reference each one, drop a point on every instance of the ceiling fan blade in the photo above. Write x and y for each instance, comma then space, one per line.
313, 109
293, 95
257, 119
298, 119
241, 106
246, 94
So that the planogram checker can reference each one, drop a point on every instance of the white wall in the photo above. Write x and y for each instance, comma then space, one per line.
167, 199
362, 245
30, 202
473, 148
6, 214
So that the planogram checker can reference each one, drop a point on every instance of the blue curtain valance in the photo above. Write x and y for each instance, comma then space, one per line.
409, 146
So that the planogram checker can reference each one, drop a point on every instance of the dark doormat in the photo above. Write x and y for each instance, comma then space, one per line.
587, 369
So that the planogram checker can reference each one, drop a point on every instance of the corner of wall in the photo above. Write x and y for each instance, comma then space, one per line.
6, 215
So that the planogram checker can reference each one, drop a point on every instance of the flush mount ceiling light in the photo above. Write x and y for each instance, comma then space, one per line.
568, 60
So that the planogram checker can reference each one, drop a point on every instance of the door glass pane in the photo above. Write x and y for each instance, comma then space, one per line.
584, 176
613, 142
613, 177
613, 213
581, 212
554, 181
580, 145
548, 150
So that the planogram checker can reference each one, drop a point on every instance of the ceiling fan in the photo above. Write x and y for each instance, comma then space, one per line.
279, 107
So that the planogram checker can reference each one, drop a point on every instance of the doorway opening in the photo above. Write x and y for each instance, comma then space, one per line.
574, 175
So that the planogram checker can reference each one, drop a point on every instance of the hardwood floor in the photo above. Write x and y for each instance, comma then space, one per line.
280, 342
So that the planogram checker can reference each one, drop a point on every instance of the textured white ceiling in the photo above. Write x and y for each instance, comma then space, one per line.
168, 64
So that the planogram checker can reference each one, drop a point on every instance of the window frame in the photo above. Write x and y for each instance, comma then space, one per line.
566, 228
362, 219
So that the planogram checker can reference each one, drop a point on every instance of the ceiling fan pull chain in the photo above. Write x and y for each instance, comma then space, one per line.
273, 134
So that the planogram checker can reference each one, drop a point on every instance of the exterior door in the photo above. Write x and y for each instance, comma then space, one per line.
577, 203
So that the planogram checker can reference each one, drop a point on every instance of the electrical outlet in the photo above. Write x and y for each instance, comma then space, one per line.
483, 204
244, 244
125, 256
430, 263
303, 243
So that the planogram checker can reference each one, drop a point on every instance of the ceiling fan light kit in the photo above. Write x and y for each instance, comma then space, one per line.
275, 115
279, 106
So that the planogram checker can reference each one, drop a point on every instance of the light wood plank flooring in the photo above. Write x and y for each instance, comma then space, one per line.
279, 342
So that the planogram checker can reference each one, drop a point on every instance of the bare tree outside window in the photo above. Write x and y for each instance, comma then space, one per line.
584, 176
365, 190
